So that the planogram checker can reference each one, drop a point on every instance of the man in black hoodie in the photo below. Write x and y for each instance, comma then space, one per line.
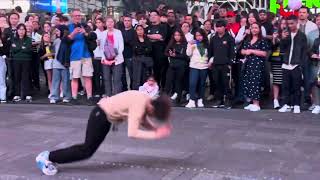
295, 48
221, 53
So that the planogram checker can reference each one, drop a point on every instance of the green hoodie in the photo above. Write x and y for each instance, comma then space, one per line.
21, 49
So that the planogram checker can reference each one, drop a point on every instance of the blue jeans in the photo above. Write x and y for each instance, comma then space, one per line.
61, 76
3, 71
197, 81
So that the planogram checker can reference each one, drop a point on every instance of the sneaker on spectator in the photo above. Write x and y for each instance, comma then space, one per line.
248, 107
97, 96
16, 98
276, 104
45, 165
90, 102
29, 98
255, 108
3, 101
316, 110
296, 110
66, 101
200, 103
49, 96
228, 104
52, 101
210, 97
285, 108
218, 104
174, 96
311, 107
75, 102
61, 95
191, 104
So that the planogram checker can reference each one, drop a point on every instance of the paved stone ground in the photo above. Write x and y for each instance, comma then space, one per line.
205, 144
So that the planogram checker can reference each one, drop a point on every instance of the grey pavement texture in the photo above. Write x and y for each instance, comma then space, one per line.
206, 144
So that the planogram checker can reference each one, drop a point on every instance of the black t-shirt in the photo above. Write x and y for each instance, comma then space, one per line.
158, 29
269, 27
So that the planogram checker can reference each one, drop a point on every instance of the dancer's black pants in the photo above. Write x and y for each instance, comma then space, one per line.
97, 129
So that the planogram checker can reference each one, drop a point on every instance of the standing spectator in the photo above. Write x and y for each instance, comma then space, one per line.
46, 54
61, 63
157, 34
128, 36
9, 34
35, 63
208, 28
318, 21
266, 23
178, 62
142, 20
316, 58
98, 87
21, 60
172, 25
294, 45
185, 27
81, 62
221, 54
276, 61
192, 25
311, 30
47, 28
56, 18
113, 59
255, 50
198, 53
233, 26
142, 58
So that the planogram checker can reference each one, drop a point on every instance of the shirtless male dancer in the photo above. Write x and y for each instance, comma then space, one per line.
147, 119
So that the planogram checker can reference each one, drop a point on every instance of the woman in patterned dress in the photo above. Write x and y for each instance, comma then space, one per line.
255, 51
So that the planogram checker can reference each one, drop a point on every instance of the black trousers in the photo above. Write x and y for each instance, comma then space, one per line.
175, 78
97, 79
222, 77
142, 69
212, 84
21, 78
291, 84
160, 67
97, 129
35, 74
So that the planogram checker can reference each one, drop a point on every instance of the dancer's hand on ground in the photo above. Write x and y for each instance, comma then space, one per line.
163, 132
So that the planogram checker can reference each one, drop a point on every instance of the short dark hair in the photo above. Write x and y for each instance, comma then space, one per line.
293, 17
263, 11
162, 108
305, 7
155, 11
221, 23
100, 19
18, 9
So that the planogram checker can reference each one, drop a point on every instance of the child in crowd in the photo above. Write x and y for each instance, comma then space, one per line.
150, 87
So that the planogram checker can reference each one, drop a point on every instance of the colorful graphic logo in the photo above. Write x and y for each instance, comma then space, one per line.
309, 3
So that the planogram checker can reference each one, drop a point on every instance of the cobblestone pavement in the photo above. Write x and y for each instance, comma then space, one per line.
205, 144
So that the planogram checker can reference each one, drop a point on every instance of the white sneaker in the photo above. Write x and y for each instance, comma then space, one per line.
61, 95
16, 98
49, 96
248, 107
312, 107
296, 110
191, 104
316, 110
254, 108
97, 96
45, 165
285, 108
200, 103
52, 101
65, 101
29, 98
276, 104
210, 97
174, 96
